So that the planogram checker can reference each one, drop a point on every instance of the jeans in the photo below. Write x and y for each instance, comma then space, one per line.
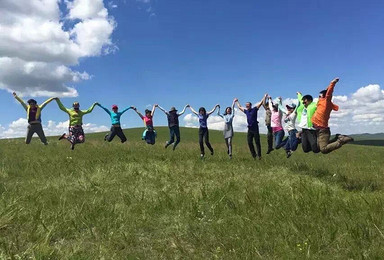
174, 131
279, 135
38, 129
291, 142
254, 134
204, 134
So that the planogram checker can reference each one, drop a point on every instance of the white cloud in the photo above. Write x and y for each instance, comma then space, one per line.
18, 128
39, 43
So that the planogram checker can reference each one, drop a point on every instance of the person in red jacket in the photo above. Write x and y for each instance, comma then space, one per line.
320, 121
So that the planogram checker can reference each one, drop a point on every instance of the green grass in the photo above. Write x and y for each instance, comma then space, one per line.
135, 201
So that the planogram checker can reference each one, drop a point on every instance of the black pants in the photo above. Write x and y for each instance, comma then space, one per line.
309, 141
270, 137
254, 134
203, 133
116, 130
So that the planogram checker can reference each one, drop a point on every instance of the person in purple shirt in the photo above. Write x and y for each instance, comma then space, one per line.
253, 126
203, 130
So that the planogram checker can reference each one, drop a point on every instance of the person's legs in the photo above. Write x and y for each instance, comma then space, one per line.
121, 134
250, 143
227, 144
304, 141
171, 136
177, 134
325, 146
279, 135
293, 141
40, 132
312, 138
30, 132
269, 139
207, 143
257, 141
201, 134
111, 134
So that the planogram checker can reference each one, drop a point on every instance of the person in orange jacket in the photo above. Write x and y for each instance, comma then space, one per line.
320, 121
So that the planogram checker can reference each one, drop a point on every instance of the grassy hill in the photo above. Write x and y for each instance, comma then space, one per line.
135, 201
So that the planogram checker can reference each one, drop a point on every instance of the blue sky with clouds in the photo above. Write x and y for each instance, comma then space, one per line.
141, 52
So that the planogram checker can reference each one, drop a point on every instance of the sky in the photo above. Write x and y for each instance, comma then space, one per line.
144, 52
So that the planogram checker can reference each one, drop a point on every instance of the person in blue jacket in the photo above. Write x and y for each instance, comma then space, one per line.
116, 127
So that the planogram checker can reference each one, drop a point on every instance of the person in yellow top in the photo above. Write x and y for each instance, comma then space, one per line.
75, 129
34, 118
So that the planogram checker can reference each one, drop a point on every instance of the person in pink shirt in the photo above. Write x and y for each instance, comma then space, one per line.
149, 134
277, 128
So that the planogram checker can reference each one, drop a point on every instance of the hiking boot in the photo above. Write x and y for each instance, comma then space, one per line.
62, 136
343, 139
270, 150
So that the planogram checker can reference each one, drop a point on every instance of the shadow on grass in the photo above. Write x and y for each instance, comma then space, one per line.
369, 142
348, 184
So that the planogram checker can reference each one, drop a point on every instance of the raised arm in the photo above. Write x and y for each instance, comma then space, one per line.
258, 105
137, 112
61, 106
281, 107
105, 109
89, 110
213, 109
20, 100
153, 109
193, 111
265, 102
162, 109
125, 110
218, 113
270, 105
300, 97
183, 111
330, 88
46, 102
238, 105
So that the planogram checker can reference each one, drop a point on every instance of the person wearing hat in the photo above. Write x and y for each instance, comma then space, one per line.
228, 116
149, 134
320, 121
34, 118
268, 114
115, 119
291, 142
173, 124
75, 129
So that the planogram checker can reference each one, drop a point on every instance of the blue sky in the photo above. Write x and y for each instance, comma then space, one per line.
207, 52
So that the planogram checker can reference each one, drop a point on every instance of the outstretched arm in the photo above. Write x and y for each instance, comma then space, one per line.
238, 105
270, 105
281, 107
265, 101
153, 109
61, 106
330, 88
46, 102
20, 100
137, 112
182, 112
193, 111
218, 113
258, 105
89, 110
213, 109
105, 109
299, 98
162, 109
125, 110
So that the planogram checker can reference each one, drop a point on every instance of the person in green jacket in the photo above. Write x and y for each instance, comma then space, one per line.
34, 118
75, 129
305, 111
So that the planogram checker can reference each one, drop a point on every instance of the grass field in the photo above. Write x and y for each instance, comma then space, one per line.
135, 201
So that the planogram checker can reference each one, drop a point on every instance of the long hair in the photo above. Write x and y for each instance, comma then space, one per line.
203, 109
225, 113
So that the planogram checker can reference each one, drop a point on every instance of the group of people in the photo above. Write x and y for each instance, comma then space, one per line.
312, 119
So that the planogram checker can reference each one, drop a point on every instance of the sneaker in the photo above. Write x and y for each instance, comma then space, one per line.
343, 139
105, 137
259, 157
202, 156
166, 144
212, 152
269, 151
230, 156
289, 153
72, 146
62, 136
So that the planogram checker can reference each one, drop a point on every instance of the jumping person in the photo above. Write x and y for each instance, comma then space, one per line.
320, 121
228, 128
253, 126
305, 111
291, 142
173, 124
268, 124
75, 129
277, 128
203, 129
116, 127
34, 118
149, 134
